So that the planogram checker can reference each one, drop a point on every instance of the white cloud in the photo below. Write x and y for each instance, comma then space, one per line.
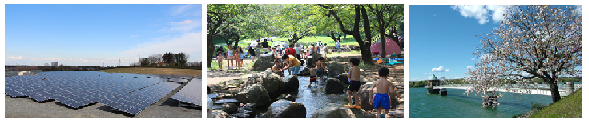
481, 12
440, 69
13, 58
186, 10
470, 67
472, 58
184, 26
182, 9
188, 43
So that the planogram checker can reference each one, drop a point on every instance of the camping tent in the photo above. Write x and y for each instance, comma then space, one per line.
391, 47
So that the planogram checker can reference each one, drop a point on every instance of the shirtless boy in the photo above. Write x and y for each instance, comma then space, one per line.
354, 76
320, 68
383, 87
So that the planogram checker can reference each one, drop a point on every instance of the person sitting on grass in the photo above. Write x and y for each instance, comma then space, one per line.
220, 60
382, 100
354, 77
320, 69
293, 64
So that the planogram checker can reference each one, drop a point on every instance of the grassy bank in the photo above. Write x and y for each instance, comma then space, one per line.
569, 107
146, 70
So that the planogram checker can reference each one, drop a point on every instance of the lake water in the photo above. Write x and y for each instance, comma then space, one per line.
458, 105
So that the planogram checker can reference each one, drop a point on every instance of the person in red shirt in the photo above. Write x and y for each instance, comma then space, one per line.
290, 50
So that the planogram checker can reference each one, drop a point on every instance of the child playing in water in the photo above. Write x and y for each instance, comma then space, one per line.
354, 77
276, 67
220, 60
320, 68
381, 98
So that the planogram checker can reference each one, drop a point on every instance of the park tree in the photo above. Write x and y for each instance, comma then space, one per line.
298, 21
533, 42
222, 21
350, 19
386, 18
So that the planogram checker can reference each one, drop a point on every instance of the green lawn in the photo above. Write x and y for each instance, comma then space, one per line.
351, 52
349, 40
569, 107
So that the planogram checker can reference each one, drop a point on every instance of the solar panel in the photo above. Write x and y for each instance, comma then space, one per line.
191, 93
130, 93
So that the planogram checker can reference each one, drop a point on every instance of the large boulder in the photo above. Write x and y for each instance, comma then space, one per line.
286, 109
364, 95
343, 78
273, 83
254, 94
335, 69
292, 86
229, 107
341, 112
264, 62
334, 87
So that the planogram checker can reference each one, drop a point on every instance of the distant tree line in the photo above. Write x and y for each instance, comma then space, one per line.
167, 59
423, 83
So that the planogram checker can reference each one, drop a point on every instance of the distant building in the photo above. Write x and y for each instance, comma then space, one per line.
54, 64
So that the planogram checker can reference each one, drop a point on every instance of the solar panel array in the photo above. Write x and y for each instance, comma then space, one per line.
191, 93
130, 93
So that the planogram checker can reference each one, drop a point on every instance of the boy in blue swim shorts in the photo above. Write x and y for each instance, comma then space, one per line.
381, 99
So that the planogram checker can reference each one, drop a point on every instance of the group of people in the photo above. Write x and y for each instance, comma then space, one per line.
231, 54
380, 100
289, 57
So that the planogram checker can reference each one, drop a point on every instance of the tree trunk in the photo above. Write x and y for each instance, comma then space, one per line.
366, 54
554, 90
365, 46
210, 50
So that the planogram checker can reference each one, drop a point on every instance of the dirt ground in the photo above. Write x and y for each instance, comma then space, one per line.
145, 70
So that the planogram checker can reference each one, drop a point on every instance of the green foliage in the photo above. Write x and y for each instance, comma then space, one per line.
230, 23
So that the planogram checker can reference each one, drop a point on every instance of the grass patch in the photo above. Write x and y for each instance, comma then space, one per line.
569, 107
337, 53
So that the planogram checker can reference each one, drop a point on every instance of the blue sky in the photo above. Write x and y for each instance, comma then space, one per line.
96, 33
443, 38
